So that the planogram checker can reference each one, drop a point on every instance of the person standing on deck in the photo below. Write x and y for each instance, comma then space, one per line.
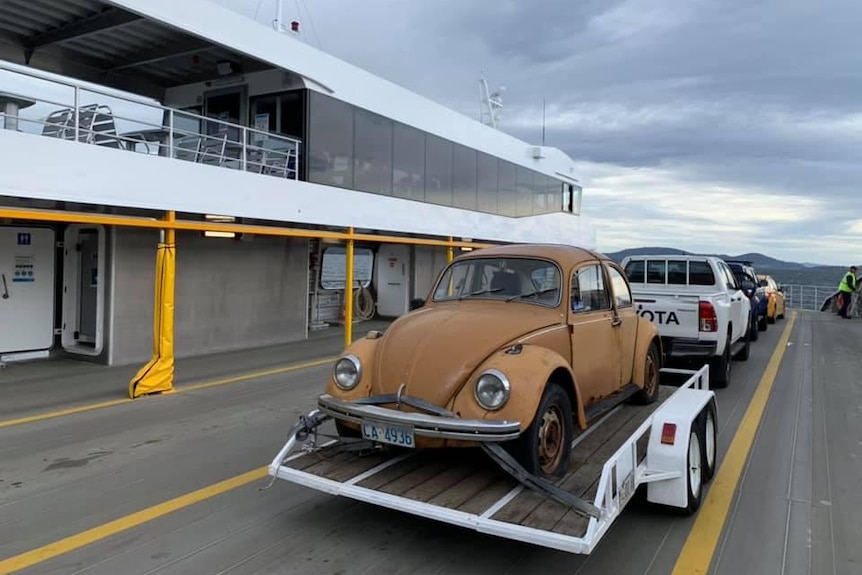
845, 291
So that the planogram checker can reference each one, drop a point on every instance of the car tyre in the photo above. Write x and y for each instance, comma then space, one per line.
762, 323
694, 469
707, 421
546, 445
719, 369
752, 330
743, 354
649, 393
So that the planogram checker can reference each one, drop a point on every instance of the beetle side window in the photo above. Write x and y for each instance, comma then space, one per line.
588, 290
622, 294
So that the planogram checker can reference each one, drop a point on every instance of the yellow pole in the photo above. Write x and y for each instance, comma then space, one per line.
450, 251
348, 292
157, 376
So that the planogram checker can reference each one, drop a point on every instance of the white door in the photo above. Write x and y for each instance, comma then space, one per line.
26, 289
393, 285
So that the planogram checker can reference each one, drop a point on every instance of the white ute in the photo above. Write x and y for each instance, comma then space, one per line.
668, 448
700, 309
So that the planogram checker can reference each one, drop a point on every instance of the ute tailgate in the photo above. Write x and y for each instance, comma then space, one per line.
674, 315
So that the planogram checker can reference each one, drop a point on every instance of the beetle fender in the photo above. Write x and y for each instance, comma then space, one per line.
364, 349
647, 334
528, 370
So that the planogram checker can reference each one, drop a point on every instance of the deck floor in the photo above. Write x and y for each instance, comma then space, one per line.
467, 480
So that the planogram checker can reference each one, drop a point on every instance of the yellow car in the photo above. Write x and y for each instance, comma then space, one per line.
776, 306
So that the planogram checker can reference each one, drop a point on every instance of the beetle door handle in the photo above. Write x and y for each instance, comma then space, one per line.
5, 288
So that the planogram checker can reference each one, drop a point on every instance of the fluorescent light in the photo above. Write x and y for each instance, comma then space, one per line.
212, 234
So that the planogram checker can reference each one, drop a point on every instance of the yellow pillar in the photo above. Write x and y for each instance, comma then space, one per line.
450, 251
348, 292
157, 376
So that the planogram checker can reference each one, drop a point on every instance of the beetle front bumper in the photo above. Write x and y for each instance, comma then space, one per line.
440, 423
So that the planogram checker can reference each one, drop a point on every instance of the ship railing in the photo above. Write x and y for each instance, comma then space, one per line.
44, 104
818, 298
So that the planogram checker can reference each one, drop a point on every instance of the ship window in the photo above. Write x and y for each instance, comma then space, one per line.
408, 160
507, 204
465, 177
487, 200
438, 171
330, 141
525, 188
373, 153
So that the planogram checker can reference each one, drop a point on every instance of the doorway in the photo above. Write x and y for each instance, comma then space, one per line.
83, 289
393, 280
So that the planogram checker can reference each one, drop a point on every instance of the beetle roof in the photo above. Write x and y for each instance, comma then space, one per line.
567, 256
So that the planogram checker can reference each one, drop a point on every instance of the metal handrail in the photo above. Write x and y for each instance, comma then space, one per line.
276, 152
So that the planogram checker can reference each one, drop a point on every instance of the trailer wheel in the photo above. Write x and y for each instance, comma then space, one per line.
649, 392
545, 446
694, 469
707, 421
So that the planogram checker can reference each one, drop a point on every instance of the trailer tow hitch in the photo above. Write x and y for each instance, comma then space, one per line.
511, 466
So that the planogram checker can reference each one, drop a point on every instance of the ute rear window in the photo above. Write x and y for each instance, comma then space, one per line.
700, 274
635, 271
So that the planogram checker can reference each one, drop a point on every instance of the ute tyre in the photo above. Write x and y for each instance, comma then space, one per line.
720, 368
694, 470
743, 354
709, 447
546, 445
649, 393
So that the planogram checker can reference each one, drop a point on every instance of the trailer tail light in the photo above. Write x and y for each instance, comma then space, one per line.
668, 433
706, 317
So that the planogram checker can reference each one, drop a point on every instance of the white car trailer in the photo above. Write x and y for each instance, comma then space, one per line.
669, 447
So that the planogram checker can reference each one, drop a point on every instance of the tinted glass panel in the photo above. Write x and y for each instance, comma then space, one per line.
677, 272
487, 183
438, 170
524, 205
622, 294
408, 158
465, 176
700, 274
635, 271
656, 271
507, 204
330, 141
373, 153
292, 113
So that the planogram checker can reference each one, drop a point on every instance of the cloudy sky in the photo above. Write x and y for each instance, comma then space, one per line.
706, 125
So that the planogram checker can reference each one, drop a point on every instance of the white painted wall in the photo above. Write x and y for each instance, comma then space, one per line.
94, 175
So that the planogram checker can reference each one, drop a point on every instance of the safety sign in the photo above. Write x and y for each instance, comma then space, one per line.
24, 269
24, 239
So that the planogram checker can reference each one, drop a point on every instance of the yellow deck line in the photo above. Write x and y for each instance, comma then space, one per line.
36, 556
180, 389
697, 553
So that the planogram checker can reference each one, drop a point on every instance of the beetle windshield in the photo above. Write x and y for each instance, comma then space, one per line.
530, 280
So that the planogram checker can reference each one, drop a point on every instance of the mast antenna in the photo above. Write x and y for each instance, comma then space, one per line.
490, 103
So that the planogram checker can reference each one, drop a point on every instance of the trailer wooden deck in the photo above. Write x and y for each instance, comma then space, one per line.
467, 480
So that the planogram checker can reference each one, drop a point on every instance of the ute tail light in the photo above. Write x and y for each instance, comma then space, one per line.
668, 433
706, 317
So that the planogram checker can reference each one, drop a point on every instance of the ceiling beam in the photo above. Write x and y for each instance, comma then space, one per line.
180, 48
106, 20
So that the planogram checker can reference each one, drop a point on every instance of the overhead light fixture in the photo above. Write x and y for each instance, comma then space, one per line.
224, 68
214, 234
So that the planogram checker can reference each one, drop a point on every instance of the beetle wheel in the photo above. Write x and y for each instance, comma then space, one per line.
551, 438
649, 392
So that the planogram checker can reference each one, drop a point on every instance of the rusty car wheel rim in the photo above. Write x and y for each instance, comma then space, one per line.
551, 437
651, 380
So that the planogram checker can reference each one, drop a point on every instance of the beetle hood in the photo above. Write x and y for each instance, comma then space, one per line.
434, 350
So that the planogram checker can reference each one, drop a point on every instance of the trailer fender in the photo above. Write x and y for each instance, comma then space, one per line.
668, 449
528, 368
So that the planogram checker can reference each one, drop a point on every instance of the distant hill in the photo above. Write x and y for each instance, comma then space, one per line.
783, 272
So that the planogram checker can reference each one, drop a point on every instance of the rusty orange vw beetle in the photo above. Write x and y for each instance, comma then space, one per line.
520, 345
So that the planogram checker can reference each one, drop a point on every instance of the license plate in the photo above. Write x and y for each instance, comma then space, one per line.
387, 433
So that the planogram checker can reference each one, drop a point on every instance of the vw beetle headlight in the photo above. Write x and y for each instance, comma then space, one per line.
492, 390
347, 372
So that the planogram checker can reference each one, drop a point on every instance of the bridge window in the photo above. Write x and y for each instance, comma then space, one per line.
465, 176
408, 162
373, 153
487, 200
330, 141
438, 170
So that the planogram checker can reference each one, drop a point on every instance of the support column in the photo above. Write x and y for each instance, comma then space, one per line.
157, 376
450, 251
348, 292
